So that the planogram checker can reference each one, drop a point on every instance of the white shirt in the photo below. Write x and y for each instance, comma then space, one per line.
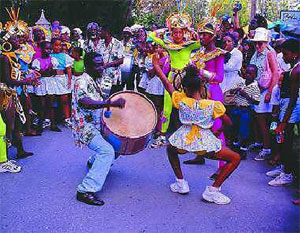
231, 70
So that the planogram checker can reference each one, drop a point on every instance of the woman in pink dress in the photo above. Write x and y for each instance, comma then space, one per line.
210, 61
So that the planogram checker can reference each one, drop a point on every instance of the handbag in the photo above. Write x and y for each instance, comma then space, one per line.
265, 80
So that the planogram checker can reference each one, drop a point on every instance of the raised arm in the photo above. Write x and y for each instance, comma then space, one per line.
152, 35
169, 87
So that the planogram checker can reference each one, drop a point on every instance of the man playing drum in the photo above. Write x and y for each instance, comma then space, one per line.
86, 104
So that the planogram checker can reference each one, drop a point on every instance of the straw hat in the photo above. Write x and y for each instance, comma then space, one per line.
261, 34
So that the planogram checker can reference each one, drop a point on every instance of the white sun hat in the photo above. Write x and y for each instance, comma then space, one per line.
261, 34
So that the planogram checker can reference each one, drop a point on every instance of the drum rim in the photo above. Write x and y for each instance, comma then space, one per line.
138, 93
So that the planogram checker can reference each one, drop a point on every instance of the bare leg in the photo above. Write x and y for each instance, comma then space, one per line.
27, 106
232, 158
50, 101
174, 161
18, 140
263, 124
65, 105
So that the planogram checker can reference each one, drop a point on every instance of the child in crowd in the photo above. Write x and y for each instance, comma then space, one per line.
46, 90
62, 78
246, 93
78, 64
65, 48
197, 114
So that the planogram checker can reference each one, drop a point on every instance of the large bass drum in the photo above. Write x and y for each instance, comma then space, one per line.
129, 129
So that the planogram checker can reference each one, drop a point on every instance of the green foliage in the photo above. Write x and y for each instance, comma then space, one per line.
271, 11
145, 19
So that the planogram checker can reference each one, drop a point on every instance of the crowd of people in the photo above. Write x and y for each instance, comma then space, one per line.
222, 90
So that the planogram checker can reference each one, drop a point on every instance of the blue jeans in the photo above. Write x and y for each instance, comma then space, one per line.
241, 119
102, 161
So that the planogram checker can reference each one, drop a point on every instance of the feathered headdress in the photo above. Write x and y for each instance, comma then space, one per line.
211, 19
15, 26
179, 19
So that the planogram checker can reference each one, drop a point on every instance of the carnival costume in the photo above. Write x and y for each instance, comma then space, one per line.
197, 117
211, 66
19, 28
179, 56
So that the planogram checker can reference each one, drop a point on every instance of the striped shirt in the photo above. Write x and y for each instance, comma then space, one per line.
252, 90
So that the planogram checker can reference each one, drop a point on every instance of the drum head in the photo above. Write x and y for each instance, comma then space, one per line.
136, 119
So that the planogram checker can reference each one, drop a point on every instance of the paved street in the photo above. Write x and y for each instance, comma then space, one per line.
42, 197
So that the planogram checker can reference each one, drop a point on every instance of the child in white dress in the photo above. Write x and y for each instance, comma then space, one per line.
197, 114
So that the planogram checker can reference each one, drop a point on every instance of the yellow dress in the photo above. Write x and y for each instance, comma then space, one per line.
197, 117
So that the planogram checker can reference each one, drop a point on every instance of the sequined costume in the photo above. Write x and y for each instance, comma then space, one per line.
180, 57
213, 62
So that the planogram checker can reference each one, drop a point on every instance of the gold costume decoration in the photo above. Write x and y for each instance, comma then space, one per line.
201, 57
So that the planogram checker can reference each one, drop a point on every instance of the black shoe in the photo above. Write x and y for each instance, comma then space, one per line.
89, 198
197, 161
23, 155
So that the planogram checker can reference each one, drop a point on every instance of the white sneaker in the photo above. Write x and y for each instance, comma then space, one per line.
46, 123
262, 155
156, 143
180, 186
68, 123
164, 141
10, 166
282, 179
276, 171
213, 194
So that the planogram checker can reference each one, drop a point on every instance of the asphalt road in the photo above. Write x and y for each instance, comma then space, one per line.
42, 197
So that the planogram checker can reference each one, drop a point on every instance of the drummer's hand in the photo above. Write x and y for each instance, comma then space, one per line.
119, 103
